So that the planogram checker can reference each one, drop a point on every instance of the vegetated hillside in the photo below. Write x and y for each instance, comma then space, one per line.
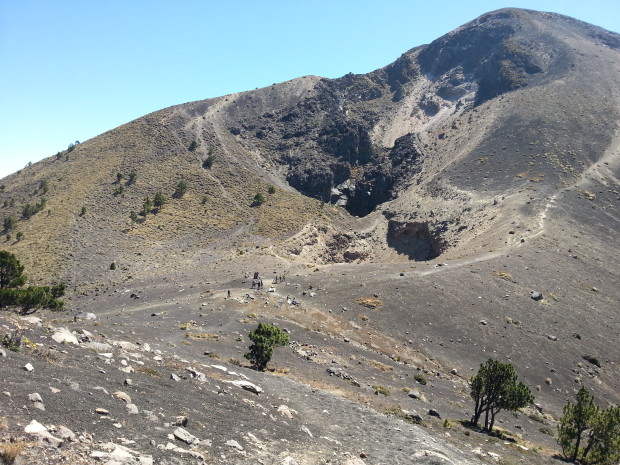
447, 186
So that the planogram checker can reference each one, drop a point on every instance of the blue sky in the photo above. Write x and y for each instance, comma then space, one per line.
72, 69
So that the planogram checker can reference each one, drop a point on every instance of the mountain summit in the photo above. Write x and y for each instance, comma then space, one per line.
459, 203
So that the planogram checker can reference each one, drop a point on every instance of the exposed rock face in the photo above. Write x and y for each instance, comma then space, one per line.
415, 240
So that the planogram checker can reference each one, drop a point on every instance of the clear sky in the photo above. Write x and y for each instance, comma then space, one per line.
72, 69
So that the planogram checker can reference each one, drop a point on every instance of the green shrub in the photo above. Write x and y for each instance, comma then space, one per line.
271, 190
30, 210
258, 199
180, 190
132, 178
147, 206
13, 340
159, 201
265, 337
9, 223
208, 162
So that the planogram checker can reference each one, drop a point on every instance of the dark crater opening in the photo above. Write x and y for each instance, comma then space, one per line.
416, 240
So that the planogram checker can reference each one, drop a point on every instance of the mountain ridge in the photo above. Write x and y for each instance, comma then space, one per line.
443, 188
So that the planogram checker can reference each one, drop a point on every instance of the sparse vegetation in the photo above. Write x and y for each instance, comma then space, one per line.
505, 276
11, 271
381, 390
13, 340
204, 200
208, 162
147, 206
83, 211
180, 190
495, 388
132, 178
271, 190
265, 337
369, 302
147, 371
193, 146
588, 434
258, 199
112, 266
159, 201
30, 210
72, 146
10, 451
211, 336
9, 223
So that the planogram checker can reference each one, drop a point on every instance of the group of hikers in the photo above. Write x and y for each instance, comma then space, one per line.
257, 280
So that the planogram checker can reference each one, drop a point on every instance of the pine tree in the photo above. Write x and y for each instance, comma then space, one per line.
159, 201
265, 337
495, 388
588, 434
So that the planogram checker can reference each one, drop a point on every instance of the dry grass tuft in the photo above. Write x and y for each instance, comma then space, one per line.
369, 302
147, 371
505, 276
10, 451
213, 337
382, 366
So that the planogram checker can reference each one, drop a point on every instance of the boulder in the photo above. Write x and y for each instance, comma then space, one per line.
64, 336
183, 435
247, 386
536, 296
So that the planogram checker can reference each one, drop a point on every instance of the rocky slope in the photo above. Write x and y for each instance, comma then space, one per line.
447, 186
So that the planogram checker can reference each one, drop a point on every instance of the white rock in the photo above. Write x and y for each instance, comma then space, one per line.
354, 461
234, 444
132, 409
33, 320
122, 396
185, 436
64, 336
247, 386
285, 412
34, 427
65, 433
35, 397
28, 367
288, 460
